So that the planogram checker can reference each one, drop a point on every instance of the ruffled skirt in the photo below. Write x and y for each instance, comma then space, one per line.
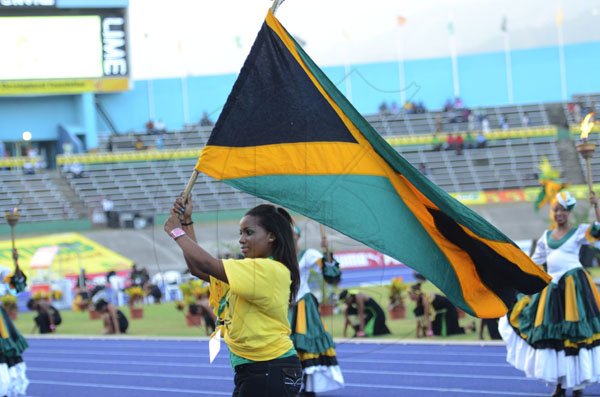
13, 379
315, 347
554, 335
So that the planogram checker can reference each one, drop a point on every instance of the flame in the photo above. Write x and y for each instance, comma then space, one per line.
586, 126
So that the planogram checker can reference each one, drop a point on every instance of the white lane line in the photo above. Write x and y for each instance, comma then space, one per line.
382, 350
438, 375
422, 362
128, 362
104, 353
227, 378
204, 350
126, 373
30, 359
114, 353
119, 387
444, 390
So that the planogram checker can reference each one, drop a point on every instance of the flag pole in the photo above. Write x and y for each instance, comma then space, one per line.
195, 173
325, 247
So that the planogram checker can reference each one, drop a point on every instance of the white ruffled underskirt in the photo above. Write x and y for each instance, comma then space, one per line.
550, 365
13, 380
322, 378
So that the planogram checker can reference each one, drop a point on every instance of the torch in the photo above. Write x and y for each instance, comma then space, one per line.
586, 149
12, 218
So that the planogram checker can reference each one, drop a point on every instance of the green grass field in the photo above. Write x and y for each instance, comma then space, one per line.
166, 320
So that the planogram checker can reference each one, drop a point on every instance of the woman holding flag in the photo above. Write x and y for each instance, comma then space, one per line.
554, 335
251, 297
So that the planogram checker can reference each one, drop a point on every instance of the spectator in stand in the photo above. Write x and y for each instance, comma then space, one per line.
150, 127
205, 121
439, 125
423, 168
503, 123
459, 144
471, 121
409, 108
48, 317
28, 168
76, 169
481, 140
469, 140
485, 124
109, 145
525, 120
107, 206
449, 105
394, 108
383, 109
450, 142
436, 143
420, 107
160, 127
139, 144
577, 113
159, 141
458, 103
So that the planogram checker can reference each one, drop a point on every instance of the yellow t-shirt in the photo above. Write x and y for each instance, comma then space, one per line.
256, 325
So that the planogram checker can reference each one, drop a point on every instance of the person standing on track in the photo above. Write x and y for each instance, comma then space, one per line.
312, 341
251, 296
554, 335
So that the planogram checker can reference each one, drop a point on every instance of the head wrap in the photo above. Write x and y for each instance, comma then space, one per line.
566, 200
5, 273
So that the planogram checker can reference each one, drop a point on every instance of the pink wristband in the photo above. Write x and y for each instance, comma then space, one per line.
176, 233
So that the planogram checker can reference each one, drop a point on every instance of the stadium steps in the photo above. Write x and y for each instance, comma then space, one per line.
69, 194
569, 159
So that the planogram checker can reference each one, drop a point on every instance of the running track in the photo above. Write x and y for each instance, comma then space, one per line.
71, 367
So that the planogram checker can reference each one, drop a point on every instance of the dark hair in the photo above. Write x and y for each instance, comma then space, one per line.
100, 305
343, 294
31, 304
278, 221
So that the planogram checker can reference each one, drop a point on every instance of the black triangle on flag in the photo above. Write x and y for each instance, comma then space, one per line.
271, 84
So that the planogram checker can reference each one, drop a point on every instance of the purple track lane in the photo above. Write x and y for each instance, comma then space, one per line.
111, 367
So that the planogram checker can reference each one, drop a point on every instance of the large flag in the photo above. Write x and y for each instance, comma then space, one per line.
287, 135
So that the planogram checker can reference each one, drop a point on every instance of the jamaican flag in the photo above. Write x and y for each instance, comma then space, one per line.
287, 135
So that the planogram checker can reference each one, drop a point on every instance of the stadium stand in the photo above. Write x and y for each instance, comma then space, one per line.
39, 196
148, 187
144, 181
425, 123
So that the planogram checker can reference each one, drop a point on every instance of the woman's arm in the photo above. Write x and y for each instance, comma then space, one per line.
427, 314
198, 260
360, 306
113, 318
187, 224
346, 322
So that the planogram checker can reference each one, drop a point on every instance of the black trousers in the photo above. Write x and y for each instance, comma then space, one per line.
275, 378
